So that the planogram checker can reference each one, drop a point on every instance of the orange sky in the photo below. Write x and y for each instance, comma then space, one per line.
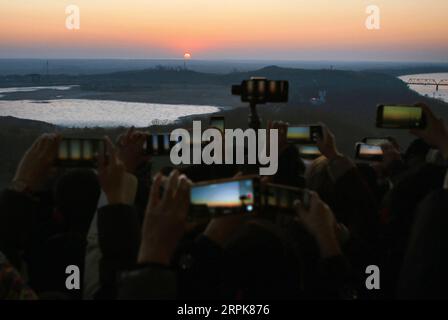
276, 29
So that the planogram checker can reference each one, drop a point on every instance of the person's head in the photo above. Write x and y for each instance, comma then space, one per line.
370, 177
423, 275
416, 153
76, 195
409, 191
261, 263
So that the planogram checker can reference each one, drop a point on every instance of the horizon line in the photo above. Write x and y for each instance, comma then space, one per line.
236, 60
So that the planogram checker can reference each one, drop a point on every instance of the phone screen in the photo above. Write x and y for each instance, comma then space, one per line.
309, 152
298, 134
376, 141
230, 194
155, 143
304, 134
369, 152
75, 150
79, 152
281, 197
158, 144
88, 150
63, 150
166, 142
401, 117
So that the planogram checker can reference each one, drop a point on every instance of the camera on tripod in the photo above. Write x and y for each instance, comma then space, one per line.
259, 90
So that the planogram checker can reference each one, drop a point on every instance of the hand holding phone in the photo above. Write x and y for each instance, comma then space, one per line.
320, 221
225, 196
118, 185
400, 117
131, 149
79, 152
435, 133
282, 128
165, 219
327, 144
36, 163
304, 134
369, 152
281, 198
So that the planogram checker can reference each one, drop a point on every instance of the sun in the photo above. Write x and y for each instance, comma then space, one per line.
187, 56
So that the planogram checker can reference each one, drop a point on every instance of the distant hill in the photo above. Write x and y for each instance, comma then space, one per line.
304, 83
98, 66
343, 88
7, 123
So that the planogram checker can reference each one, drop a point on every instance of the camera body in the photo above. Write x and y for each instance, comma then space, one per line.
260, 90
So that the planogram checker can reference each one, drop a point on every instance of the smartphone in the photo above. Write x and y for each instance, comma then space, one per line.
376, 141
218, 122
280, 197
308, 134
369, 152
400, 117
224, 197
79, 152
309, 152
158, 144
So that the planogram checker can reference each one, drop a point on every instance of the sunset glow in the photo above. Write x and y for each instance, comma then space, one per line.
261, 29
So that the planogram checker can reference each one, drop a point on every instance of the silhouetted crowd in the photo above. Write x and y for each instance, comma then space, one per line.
127, 229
